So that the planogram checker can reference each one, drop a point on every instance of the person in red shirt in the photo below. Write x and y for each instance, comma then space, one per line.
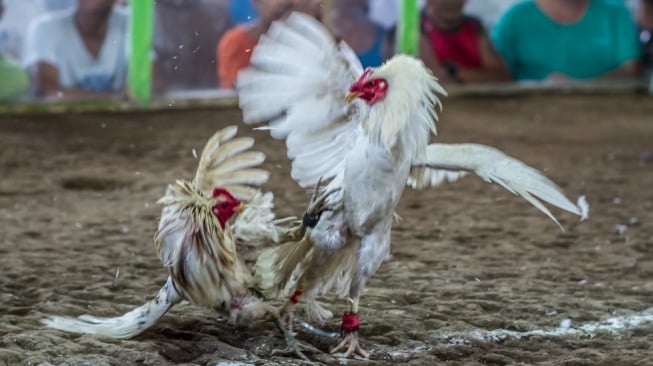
456, 47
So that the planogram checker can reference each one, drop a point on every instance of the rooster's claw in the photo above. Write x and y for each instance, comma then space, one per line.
293, 346
319, 204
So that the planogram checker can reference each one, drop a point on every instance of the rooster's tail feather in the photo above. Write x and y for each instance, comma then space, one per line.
313, 310
128, 325
275, 266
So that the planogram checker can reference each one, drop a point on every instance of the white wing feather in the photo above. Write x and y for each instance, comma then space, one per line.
494, 166
427, 177
257, 224
228, 162
297, 80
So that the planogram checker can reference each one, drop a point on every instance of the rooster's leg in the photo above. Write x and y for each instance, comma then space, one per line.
374, 249
350, 343
292, 344
288, 310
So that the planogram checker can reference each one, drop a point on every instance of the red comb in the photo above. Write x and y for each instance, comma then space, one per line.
357, 84
218, 191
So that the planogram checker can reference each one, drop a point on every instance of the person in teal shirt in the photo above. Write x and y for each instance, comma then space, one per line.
13, 79
568, 39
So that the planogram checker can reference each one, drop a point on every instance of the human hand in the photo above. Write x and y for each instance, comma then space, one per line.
310, 7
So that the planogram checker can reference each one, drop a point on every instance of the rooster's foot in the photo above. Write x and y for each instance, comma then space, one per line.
352, 345
293, 346
350, 341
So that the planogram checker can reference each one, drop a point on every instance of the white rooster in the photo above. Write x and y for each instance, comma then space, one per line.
204, 254
367, 132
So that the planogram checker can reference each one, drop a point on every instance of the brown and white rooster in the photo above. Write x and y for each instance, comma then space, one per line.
367, 132
204, 253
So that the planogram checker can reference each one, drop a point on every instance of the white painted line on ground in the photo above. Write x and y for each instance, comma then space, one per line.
613, 325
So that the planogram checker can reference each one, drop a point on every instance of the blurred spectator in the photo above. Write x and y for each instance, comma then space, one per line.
456, 47
79, 53
14, 78
57, 5
561, 40
386, 12
17, 16
310, 7
186, 33
348, 21
644, 18
242, 11
13, 25
487, 11
235, 47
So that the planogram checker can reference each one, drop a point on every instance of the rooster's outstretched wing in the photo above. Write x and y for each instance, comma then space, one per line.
451, 161
228, 162
298, 80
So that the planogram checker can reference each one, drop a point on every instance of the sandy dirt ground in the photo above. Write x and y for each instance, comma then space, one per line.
78, 201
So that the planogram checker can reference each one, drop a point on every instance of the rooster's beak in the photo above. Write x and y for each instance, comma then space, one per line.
351, 96
241, 207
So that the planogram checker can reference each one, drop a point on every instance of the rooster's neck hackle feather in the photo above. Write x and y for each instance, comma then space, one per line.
408, 113
200, 255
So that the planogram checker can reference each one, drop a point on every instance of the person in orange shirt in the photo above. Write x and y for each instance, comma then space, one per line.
235, 47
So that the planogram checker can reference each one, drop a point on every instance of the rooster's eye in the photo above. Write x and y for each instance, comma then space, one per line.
224, 205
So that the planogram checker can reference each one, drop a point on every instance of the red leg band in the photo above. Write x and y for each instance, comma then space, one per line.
294, 299
350, 323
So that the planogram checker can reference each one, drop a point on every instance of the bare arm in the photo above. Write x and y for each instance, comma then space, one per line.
46, 80
158, 81
628, 70
493, 69
431, 61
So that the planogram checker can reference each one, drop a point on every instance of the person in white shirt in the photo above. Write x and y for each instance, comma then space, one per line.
79, 53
